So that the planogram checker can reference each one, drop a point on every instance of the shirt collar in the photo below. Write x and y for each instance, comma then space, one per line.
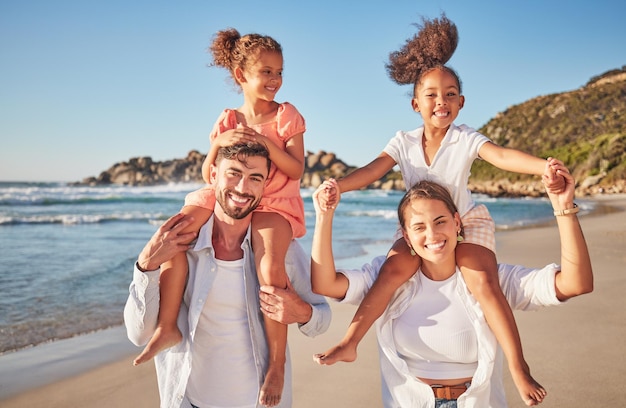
204, 240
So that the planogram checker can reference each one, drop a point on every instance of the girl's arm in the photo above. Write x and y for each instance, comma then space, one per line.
366, 175
576, 275
324, 277
512, 160
291, 160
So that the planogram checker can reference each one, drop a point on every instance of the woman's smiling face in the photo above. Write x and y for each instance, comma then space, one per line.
431, 230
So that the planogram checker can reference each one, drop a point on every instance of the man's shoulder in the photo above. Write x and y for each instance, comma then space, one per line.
295, 250
296, 260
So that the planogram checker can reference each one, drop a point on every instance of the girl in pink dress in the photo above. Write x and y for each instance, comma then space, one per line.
255, 63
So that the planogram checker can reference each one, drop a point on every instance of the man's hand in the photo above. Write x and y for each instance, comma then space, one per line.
166, 242
284, 305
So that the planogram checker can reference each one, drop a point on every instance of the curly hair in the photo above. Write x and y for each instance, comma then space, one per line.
231, 50
429, 49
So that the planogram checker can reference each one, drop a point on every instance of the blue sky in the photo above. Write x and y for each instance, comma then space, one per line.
86, 84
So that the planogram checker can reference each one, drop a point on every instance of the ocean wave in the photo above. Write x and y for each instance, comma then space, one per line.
75, 219
13, 194
386, 214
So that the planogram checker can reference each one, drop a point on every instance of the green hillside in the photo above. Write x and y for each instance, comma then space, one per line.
586, 128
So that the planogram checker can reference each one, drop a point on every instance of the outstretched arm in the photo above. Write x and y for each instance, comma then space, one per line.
512, 160
366, 175
324, 277
576, 275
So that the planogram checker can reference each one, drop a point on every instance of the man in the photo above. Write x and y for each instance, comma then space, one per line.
223, 355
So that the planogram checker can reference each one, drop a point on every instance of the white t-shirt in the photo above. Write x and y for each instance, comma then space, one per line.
435, 335
227, 377
451, 165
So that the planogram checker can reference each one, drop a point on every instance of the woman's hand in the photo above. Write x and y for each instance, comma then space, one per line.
560, 185
552, 181
326, 196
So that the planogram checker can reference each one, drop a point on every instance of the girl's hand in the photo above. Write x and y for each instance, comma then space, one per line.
326, 196
240, 135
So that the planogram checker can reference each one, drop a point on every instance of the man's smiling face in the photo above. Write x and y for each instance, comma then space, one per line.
239, 185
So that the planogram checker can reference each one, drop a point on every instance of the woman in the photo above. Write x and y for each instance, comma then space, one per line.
436, 349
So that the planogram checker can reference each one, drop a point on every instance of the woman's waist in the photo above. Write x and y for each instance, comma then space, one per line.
449, 382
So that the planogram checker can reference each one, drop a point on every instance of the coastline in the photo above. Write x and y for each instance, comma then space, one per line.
96, 370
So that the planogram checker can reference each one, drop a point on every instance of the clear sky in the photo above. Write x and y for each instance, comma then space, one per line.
85, 84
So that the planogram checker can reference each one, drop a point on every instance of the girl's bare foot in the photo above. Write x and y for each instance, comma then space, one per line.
338, 353
161, 339
272, 389
531, 391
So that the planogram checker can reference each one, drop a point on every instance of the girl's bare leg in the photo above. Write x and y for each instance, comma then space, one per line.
480, 271
271, 236
399, 266
172, 281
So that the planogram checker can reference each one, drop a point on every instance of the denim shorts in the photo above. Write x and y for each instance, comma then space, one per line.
445, 403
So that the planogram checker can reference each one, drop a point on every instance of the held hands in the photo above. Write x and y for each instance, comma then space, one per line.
327, 196
166, 242
559, 184
554, 182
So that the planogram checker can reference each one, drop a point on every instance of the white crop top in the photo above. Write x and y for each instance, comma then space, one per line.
434, 335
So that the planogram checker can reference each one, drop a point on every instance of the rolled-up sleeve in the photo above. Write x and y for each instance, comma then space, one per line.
298, 266
141, 311
528, 288
361, 280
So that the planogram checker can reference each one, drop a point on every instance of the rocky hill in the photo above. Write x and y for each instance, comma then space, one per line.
143, 171
586, 128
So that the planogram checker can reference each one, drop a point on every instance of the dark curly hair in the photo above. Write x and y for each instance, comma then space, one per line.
230, 50
429, 49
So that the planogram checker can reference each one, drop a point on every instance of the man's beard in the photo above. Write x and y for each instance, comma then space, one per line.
236, 212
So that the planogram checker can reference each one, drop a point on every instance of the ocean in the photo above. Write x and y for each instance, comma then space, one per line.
67, 252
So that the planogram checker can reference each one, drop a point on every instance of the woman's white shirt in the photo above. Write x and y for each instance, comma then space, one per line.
434, 335
524, 288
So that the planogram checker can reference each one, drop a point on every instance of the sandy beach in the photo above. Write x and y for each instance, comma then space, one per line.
577, 351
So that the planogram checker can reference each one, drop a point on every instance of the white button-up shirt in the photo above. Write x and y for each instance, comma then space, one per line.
173, 365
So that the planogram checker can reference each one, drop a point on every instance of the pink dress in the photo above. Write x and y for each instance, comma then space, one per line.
282, 194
